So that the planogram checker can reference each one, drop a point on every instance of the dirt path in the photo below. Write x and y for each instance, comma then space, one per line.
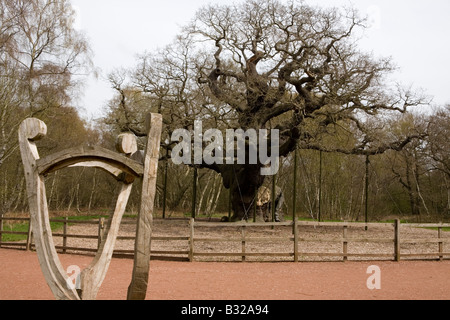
21, 279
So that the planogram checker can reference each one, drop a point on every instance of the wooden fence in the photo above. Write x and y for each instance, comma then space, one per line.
396, 241
62, 233
291, 242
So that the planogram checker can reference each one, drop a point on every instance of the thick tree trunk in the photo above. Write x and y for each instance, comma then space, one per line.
244, 181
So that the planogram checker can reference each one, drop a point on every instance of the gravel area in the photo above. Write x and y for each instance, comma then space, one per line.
214, 278
316, 241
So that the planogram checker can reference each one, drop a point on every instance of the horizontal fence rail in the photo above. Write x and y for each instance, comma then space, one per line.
295, 239
244, 239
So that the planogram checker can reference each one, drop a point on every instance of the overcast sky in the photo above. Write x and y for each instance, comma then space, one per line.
415, 33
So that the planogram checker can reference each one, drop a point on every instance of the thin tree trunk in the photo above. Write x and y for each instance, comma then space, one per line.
52, 189
213, 209
94, 186
419, 193
202, 195
213, 197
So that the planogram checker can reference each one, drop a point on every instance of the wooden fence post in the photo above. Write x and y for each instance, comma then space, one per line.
142, 245
295, 240
344, 243
243, 243
441, 257
66, 219
191, 240
101, 226
397, 240
29, 236
1, 230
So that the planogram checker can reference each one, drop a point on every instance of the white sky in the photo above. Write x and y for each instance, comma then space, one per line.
413, 32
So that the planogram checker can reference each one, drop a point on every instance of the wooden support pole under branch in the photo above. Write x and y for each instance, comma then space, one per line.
194, 192
191, 239
319, 216
294, 187
295, 240
243, 243
255, 201
273, 197
366, 192
165, 187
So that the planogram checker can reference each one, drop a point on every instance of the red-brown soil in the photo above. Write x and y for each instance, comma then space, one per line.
21, 279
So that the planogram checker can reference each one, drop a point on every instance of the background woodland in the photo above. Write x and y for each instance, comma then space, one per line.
43, 58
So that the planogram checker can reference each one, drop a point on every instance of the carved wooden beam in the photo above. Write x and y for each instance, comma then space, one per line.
30, 131
120, 166
94, 274
102, 158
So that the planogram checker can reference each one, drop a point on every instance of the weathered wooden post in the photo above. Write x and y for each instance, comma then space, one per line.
101, 227
229, 204
243, 243
30, 131
344, 243
294, 187
366, 192
29, 236
255, 204
194, 193
319, 215
1, 229
66, 219
397, 240
166, 165
94, 274
273, 198
138, 286
440, 244
295, 226
191, 239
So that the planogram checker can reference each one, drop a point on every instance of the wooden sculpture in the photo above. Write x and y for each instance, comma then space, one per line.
125, 168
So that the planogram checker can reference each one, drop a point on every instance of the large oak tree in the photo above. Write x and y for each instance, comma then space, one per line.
271, 65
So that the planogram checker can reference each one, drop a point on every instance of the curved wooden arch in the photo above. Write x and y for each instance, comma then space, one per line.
98, 157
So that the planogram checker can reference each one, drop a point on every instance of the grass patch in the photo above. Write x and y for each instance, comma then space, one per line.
55, 226
23, 227
445, 229
16, 227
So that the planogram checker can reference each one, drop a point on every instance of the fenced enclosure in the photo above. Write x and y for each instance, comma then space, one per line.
296, 241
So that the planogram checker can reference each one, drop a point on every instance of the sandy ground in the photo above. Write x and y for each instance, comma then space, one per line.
21, 279
315, 234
